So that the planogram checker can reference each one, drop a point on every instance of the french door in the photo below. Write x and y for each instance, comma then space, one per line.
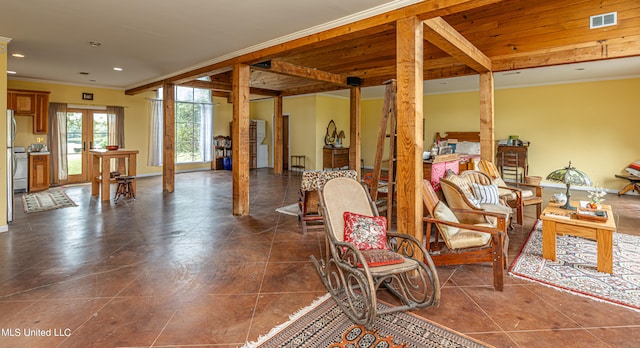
86, 130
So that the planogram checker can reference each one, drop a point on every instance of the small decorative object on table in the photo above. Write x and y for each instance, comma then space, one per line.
595, 197
592, 215
560, 197
112, 147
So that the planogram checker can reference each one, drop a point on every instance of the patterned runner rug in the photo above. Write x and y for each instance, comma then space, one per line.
46, 200
575, 271
323, 324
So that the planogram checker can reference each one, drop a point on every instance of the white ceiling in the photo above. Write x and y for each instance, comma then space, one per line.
152, 39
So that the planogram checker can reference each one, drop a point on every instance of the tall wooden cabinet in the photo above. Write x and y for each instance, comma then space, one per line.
38, 172
31, 103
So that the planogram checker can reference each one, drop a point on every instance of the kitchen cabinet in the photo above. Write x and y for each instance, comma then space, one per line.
23, 103
38, 171
31, 103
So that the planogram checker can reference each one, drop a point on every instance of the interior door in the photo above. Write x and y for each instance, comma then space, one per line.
285, 142
86, 130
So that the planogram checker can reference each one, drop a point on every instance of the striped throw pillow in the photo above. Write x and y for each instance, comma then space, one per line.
486, 194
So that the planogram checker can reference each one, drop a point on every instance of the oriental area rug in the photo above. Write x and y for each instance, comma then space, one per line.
323, 324
575, 271
47, 200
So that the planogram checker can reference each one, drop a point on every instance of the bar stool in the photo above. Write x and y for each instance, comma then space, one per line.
125, 187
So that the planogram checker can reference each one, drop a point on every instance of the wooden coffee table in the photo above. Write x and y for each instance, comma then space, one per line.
557, 221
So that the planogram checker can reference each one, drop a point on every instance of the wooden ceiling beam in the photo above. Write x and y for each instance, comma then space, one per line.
226, 87
438, 32
288, 69
597, 50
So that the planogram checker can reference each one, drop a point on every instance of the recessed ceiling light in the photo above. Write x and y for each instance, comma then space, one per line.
11, 72
18, 55
511, 73
95, 43
579, 69
83, 73
117, 68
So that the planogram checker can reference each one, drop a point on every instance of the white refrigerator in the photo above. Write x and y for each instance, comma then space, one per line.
11, 134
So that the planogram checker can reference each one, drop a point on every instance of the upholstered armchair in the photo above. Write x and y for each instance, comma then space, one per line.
460, 240
517, 195
474, 191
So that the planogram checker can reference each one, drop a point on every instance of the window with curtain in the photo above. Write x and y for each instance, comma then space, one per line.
194, 126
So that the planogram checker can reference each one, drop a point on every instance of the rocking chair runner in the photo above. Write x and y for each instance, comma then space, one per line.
350, 280
465, 241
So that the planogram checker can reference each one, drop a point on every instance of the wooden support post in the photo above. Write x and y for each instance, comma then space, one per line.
409, 53
240, 136
487, 127
168, 138
355, 141
278, 135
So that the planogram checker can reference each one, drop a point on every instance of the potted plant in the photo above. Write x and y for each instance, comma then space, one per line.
596, 195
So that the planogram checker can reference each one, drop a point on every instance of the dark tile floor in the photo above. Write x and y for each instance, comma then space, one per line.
179, 269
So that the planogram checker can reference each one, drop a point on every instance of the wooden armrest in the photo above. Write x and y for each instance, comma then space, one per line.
480, 212
491, 230
538, 188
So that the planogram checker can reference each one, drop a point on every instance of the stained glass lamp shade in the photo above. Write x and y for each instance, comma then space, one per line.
569, 176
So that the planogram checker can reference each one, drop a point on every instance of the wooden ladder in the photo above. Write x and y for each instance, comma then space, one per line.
388, 120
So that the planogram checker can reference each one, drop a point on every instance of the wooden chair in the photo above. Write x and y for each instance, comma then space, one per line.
312, 181
517, 195
346, 273
458, 193
460, 241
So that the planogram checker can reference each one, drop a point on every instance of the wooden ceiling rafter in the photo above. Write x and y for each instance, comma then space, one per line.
226, 87
441, 34
288, 69
423, 10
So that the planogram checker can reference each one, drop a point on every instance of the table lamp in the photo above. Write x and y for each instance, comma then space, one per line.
339, 139
569, 176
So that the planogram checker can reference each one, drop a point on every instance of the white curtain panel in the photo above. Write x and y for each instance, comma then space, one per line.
206, 132
156, 133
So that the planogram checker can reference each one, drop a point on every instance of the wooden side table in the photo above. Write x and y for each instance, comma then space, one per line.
298, 163
556, 220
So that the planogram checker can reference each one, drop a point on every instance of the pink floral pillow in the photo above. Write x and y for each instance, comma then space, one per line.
365, 232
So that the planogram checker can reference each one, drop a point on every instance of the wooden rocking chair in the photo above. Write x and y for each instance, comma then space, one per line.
347, 273
464, 240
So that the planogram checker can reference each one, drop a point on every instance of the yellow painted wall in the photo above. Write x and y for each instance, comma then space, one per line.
330, 108
593, 124
222, 116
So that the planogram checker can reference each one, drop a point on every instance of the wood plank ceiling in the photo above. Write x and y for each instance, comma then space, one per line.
512, 34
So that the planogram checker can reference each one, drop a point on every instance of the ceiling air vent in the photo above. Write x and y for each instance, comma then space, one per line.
604, 20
